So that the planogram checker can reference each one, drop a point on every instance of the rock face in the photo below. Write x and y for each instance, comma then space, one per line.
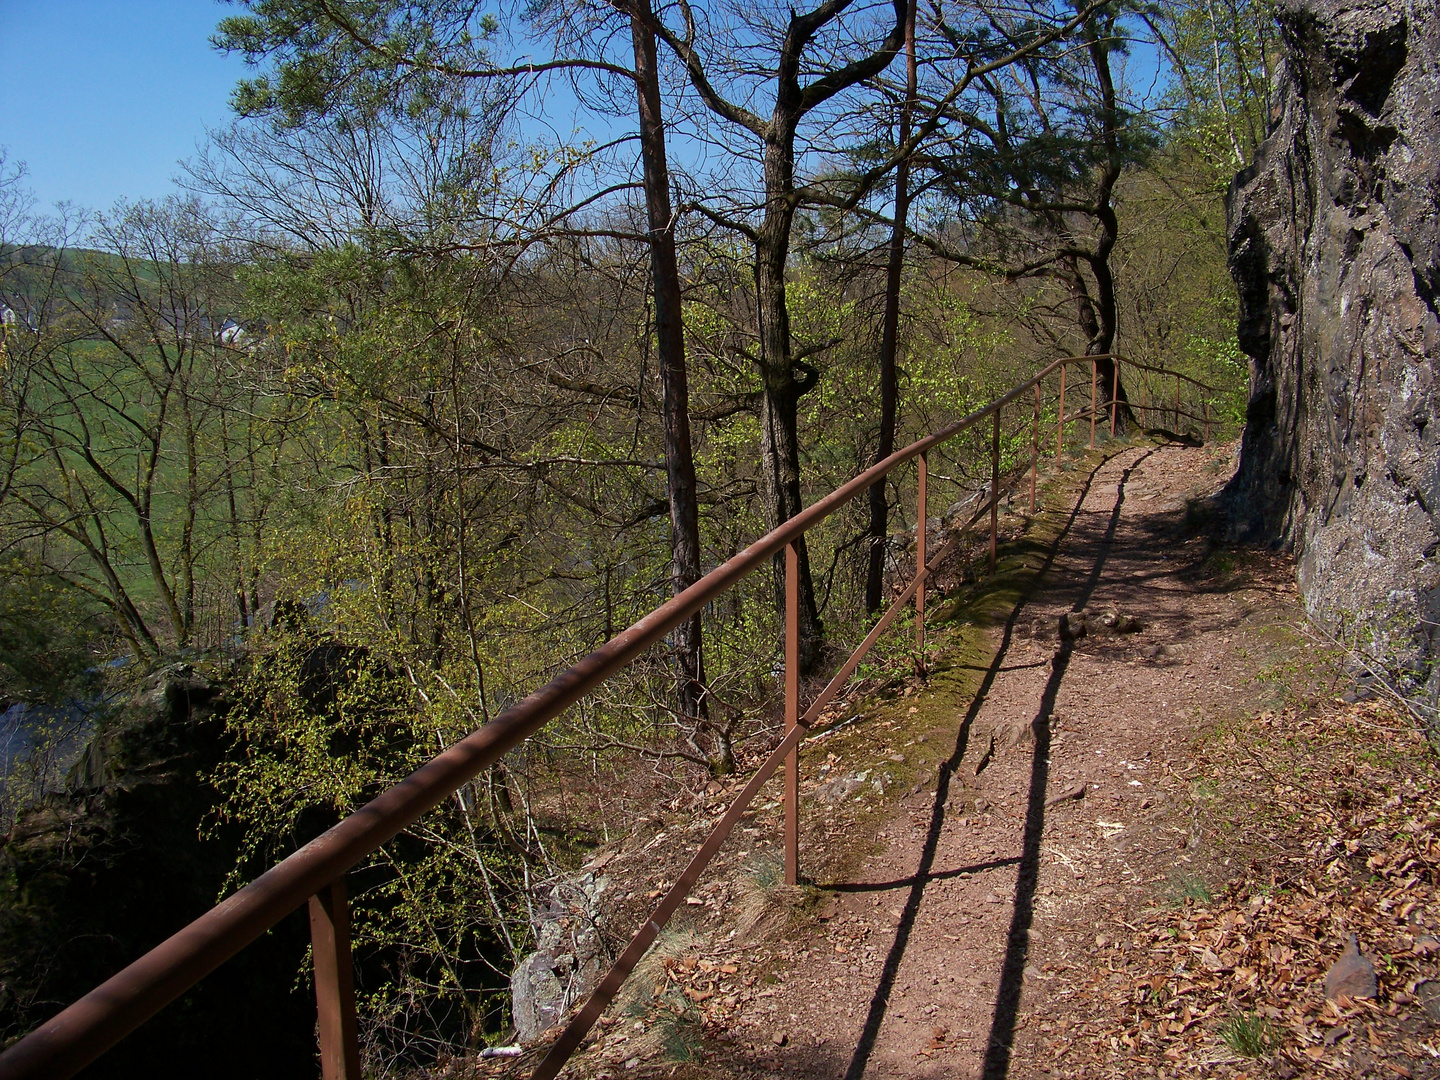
568, 960
102, 871
1334, 237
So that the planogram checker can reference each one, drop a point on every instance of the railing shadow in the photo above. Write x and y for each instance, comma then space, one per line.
880, 1000
900, 883
999, 1045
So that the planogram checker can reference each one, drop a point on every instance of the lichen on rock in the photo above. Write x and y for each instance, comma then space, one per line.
568, 960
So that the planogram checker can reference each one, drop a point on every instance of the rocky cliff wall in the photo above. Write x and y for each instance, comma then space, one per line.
125, 855
1334, 237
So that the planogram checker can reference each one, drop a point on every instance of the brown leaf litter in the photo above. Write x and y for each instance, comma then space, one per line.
1335, 814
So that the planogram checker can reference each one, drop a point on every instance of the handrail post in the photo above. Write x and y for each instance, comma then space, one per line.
1207, 421
995, 488
922, 513
1114, 394
792, 713
1094, 397
1034, 448
334, 983
1177, 404
1060, 420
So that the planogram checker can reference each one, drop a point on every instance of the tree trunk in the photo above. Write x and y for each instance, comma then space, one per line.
780, 444
890, 336
1097, 323
1099, 318
779, 417
670, 346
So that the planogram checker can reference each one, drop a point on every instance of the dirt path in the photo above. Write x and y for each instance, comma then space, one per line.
1058, 808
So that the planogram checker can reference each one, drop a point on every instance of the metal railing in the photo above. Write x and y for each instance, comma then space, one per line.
315, 874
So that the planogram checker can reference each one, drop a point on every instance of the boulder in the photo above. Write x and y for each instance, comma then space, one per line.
1073, 626
1352, 975
569, 958
127, 853
1334, 242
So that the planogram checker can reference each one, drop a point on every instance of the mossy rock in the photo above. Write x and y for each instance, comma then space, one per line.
101, 872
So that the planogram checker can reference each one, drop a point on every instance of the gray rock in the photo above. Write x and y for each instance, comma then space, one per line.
569, 957
842, 787
1334, 242
1351, 975
1429, 994
1013, 733
1073, 626
537, 996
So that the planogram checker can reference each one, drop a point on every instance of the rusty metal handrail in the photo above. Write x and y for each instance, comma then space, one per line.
786, 753
1139, 366
84, 1030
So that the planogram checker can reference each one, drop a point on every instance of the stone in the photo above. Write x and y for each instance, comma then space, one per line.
841, 788
1072, 626
1072, 793
568, 960
986, 757
128, 850
1014, 733
1334, 244
537, 996
1429, 994
1352, 975
1117, 622
780, 1038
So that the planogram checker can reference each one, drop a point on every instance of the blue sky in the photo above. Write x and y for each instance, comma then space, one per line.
101, 98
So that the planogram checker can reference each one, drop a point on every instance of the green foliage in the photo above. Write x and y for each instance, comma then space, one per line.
318, 729
1224, 58
51, 638
378, 55
1249, 1035
139, 465
435, 473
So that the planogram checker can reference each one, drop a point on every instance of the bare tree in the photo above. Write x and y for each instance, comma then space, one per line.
784, 372
403, 52
1032, 183
114, 476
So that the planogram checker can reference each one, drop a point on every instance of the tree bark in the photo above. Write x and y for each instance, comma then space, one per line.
785, 379
670, 346
890, 334
1097, 314
779, 416
1102, 340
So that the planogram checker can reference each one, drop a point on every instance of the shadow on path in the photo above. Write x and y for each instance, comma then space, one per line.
999, 1046
1003, 1024
900, 883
